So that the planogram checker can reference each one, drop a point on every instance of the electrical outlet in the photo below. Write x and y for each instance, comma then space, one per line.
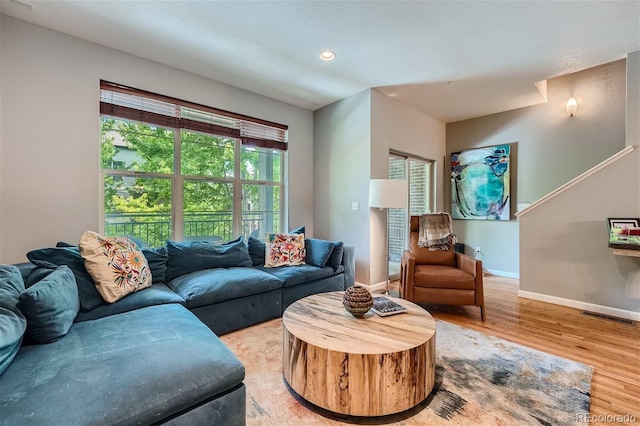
477, 250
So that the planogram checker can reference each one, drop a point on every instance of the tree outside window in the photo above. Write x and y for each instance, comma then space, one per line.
151, 197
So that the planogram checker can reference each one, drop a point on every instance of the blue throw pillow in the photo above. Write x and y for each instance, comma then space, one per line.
11, 285
157, 259
256, 250
12, 323
65, 244
194, 256
318, 251
36, 275
298, 230
50, 306
335, 260
53, 257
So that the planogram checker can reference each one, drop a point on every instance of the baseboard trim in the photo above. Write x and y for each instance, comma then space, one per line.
380, 287
605, 310
501, 273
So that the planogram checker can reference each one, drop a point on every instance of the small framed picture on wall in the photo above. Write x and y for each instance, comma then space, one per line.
623, 230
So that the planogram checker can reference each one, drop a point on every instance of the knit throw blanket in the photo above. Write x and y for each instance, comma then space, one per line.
435, 231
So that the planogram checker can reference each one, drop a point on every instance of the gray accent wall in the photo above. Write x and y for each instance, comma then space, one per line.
563, 252
352, 140
0, 139
549, 148
341, 172
49, 158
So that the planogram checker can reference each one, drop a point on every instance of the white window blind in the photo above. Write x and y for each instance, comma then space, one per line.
147, 107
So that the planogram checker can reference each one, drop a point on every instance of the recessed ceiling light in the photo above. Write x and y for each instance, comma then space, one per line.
327, 55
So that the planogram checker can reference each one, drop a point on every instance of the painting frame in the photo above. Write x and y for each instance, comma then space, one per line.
481, 183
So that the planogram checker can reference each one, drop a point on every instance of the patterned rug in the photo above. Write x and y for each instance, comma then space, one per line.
480, 380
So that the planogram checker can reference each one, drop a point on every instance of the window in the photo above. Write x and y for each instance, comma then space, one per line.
176, 170
419, 173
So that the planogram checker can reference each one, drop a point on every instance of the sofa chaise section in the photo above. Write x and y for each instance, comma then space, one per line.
146, 366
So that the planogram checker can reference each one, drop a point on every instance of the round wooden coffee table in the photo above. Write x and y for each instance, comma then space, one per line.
370, 366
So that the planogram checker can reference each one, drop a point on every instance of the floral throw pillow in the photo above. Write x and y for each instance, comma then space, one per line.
284, 250
116, 265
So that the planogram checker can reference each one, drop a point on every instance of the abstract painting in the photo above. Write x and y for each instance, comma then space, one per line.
480, 183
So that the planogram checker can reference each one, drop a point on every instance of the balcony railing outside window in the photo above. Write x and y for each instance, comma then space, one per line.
153, 230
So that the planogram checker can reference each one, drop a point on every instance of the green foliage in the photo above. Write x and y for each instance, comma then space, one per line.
206, 155
108, 150
153, 147
137, 205
141, 148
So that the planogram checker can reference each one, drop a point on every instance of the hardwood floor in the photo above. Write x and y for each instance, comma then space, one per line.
612, 348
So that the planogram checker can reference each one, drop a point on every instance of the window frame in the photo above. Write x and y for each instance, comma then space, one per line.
177, 178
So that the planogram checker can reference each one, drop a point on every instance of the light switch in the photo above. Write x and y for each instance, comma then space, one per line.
355, 205
522, 206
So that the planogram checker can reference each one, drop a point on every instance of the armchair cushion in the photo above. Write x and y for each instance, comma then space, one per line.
439, 276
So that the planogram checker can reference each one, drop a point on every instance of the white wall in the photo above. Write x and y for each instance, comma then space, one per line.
549, 148
352, 141
564, 256
0, 138
397, 127
49, 159
342, 152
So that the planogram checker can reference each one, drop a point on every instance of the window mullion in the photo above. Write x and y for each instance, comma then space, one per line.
177, 190
237, 189
283, 179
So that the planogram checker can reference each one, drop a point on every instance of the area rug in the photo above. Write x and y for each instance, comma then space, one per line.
480, 380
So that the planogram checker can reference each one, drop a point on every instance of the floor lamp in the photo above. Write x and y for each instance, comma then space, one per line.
387, 194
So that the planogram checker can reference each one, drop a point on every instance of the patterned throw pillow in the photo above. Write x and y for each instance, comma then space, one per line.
284, 250
116, 265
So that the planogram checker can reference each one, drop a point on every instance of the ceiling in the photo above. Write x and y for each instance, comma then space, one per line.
452, 60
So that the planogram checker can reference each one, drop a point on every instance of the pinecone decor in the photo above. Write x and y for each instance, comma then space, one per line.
357, 301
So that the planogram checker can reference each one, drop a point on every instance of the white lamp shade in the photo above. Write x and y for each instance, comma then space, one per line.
388, 193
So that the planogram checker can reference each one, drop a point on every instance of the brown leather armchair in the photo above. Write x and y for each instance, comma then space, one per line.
439, 277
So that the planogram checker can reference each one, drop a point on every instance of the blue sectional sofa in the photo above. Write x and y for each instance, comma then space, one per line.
152, 357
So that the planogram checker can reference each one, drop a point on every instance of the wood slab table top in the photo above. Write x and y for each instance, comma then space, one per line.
366, 366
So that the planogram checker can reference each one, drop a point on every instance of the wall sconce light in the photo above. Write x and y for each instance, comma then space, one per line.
572, 106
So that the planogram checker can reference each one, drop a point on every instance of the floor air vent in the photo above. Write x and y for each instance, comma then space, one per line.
609, 317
